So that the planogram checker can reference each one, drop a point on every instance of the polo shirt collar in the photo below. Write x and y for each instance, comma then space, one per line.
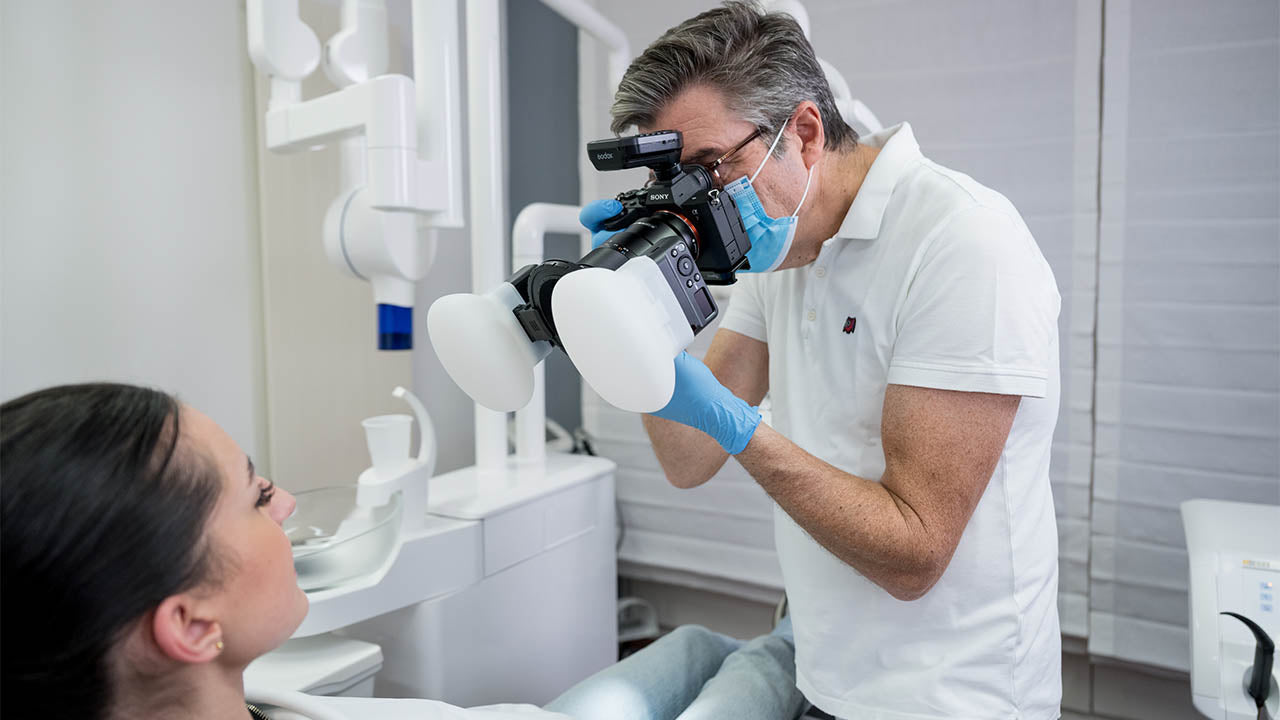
898, 151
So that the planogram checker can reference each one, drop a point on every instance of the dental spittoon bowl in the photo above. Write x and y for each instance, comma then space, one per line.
335, 540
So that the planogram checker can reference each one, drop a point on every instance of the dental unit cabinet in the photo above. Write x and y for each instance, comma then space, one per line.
1233, 550
494, 587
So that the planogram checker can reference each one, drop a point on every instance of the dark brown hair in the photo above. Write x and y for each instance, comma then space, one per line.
102, 516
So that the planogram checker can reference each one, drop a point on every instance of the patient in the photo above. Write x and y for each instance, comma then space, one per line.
144, 566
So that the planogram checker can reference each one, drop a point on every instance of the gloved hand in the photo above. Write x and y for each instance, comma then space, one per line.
701, 402
593, 216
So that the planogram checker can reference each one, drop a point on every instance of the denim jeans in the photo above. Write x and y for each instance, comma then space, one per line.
694, 674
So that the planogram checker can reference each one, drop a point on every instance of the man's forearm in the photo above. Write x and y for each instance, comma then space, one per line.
858, 520
688, 456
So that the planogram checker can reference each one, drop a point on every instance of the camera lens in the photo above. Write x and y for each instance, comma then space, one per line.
650, 235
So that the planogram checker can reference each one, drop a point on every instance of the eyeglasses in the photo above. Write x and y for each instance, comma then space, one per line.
714, 167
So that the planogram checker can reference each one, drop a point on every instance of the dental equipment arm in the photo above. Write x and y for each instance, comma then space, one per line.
407, 142
589, 20
528, 248
381, 110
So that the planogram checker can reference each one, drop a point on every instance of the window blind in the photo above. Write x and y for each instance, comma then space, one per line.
1188, 367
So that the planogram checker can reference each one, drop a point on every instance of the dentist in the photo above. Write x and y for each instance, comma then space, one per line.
904, 324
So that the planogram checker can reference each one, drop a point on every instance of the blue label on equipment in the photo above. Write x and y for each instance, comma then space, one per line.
395, 327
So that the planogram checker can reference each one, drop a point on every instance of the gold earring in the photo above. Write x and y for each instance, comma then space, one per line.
219, 645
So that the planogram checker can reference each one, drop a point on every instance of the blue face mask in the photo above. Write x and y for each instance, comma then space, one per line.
771, 238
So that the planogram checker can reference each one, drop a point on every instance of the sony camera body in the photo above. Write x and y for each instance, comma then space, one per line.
691, 230
624, 310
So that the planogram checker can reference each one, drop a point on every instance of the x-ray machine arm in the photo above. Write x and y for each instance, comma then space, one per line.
401, 140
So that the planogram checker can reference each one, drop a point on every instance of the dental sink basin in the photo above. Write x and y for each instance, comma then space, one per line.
335, 539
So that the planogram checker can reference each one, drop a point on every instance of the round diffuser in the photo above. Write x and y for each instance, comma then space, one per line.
622, 330
484, 349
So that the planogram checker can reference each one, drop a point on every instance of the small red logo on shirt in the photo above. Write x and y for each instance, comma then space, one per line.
849, 325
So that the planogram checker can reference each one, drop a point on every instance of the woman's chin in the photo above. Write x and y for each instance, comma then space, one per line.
303, 605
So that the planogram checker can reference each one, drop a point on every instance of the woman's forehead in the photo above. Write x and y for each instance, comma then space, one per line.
209, 437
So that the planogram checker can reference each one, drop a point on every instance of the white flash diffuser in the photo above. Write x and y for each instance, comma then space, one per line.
622, 329
484, 349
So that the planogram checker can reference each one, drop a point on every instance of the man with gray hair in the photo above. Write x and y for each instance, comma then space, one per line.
904, 325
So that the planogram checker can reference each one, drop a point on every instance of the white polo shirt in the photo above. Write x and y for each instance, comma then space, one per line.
934, 281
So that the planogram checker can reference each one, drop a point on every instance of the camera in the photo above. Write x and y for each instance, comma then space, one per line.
680, 220
624, 310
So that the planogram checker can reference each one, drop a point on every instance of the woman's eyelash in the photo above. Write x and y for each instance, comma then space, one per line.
264, 495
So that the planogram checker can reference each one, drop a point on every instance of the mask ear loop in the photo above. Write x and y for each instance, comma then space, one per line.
807, 181
752, 179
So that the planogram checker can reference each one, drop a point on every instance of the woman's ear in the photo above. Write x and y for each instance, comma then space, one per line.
185, 630
808, 126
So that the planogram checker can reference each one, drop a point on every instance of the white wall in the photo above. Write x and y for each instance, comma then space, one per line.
130, 238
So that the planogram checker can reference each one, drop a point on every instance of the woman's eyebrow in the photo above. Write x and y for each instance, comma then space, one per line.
253, 474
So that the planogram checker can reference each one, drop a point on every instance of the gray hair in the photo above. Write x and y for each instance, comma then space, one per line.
761, 62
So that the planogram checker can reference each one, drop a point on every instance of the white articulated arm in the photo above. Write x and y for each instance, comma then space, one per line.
527, 248
436, 60
400, 150
358, 51
281, 46
589, 20
383, 111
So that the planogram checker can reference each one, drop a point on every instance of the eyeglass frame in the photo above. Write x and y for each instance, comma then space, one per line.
714, 167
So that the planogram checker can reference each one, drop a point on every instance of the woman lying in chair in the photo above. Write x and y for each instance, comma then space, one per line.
144, 567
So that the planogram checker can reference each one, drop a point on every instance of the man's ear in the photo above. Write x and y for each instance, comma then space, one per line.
185, 631
808, 126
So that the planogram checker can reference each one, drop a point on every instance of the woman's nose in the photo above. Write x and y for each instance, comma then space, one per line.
282, 505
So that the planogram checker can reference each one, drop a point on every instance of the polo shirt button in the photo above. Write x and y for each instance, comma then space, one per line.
813, 315
820, 272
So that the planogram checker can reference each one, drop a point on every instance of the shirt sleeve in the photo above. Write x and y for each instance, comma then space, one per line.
980, 313
746, 309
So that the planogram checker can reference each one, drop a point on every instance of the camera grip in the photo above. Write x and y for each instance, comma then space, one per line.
625, 218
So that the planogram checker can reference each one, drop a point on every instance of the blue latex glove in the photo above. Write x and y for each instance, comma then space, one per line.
593, 216
701, 402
